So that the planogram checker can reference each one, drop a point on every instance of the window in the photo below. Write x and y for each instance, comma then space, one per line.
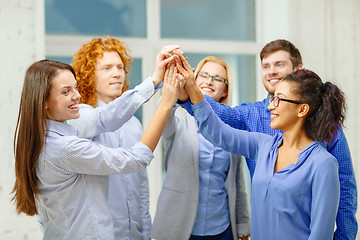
225, 29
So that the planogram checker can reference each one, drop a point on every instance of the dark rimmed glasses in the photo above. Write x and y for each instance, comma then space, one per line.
276, 100
215, 78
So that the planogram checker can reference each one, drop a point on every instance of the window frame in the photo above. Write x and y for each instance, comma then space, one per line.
147, 49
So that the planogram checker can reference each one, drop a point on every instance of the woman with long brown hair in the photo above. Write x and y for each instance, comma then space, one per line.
64, 178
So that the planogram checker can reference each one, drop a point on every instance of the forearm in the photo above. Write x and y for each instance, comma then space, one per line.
112, 116
195, 93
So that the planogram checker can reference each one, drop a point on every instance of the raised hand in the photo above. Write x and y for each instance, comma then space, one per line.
185, 69
187, 72
171, 88
162, 59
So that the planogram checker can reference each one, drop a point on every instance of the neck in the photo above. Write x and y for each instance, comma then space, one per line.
296, 139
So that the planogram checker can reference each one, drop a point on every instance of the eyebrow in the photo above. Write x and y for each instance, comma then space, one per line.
281, 94
281, 61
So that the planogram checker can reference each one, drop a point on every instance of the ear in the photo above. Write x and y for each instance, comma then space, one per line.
298, 67
304, 110
225, 92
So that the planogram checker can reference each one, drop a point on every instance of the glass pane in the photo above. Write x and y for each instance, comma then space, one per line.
243, 72
208, 19
96, 17
134, 78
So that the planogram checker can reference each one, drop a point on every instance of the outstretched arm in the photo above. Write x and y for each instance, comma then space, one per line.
170, 94
235, 117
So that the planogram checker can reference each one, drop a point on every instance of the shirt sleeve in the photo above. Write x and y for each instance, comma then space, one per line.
85, 157
325, 200
108, 118
222, 135
236, 117
346, 224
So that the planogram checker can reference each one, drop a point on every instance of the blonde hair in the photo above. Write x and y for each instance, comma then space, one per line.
225, 100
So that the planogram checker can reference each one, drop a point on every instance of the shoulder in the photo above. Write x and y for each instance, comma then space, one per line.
322, 158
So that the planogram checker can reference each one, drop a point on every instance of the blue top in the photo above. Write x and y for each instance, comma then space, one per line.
213, 215
255, 117
298, 202
73, 183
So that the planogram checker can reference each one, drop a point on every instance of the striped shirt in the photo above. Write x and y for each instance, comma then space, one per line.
73, 180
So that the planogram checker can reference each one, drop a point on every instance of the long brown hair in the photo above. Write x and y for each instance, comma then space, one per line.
30, 131
84, 63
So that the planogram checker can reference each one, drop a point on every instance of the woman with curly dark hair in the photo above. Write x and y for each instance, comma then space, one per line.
295, 187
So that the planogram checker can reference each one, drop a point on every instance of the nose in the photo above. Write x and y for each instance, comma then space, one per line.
272, 70
76, 95
116, 72
271, 106
209, 80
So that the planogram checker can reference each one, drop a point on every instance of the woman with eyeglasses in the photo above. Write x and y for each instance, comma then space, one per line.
203, 194
295, 187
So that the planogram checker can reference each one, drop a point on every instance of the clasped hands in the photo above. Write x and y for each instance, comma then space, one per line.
171, 64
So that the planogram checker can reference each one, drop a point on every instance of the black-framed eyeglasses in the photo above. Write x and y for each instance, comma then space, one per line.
215, 78
276, 100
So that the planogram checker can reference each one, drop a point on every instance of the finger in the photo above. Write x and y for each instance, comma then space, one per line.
180, 68
185, 63
171, 72
167, 60
166, 75
169, 48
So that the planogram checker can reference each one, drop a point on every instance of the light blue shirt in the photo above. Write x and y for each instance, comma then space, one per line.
73, 183
298, 202
213, 215
109, 125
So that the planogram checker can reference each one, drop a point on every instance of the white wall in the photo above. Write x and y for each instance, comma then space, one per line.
21, 43
327, 32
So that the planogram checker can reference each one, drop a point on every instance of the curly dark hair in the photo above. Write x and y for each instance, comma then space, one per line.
326, 101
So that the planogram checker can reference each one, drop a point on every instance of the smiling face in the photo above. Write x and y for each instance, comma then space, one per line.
63, 101
109, 77
287, 114
275, 67
216, 90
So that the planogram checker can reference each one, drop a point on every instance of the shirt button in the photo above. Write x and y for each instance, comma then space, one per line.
206, 170
203, 204
205, 188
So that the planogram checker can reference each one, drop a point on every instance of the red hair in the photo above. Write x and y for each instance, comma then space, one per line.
84, 63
